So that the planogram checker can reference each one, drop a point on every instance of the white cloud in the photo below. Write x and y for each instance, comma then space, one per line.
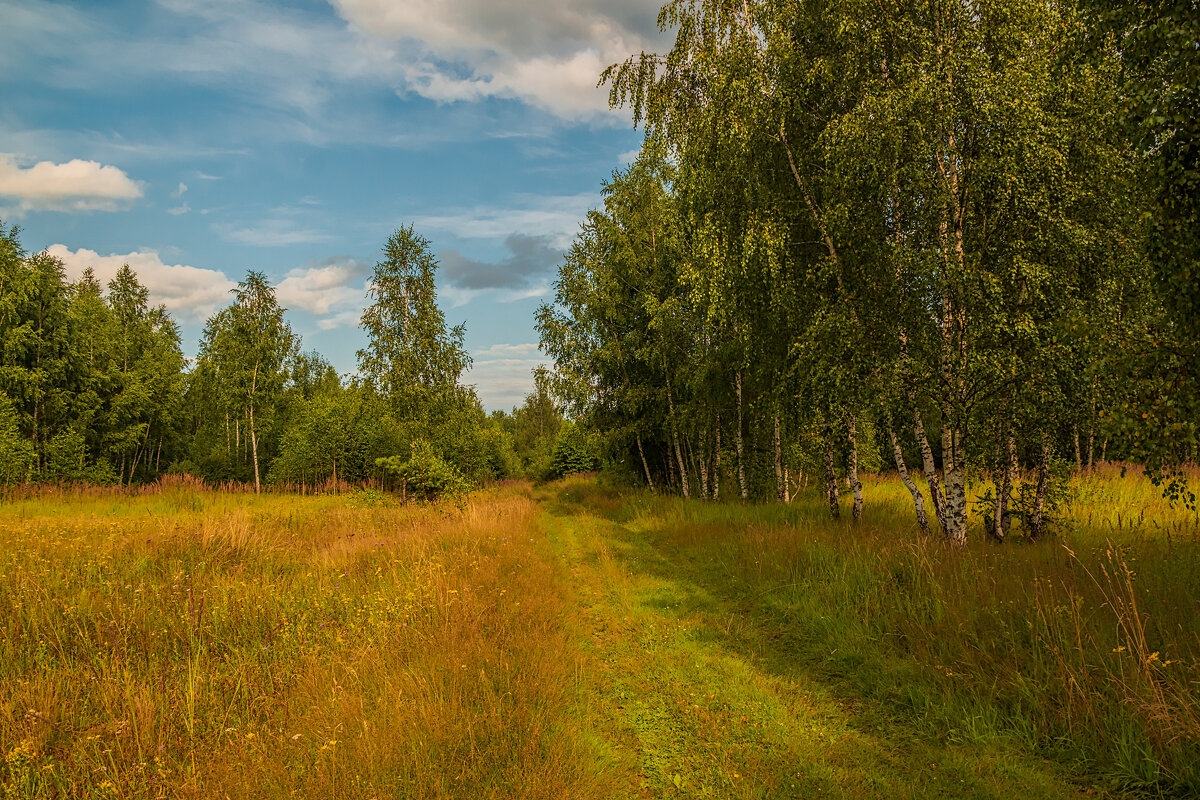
305, 76
627, 158
191, 293
324, 286
177, 210
548, 53
503, 373
349, 317
505, 350
183, 187
76, 185
272, 233
554, 218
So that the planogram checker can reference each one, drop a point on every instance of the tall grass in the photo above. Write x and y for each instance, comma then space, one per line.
1084, 647
195, 643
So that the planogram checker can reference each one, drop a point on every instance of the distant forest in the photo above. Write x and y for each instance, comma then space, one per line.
94, 388
959, 240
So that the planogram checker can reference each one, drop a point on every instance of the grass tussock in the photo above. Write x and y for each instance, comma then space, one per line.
192, 643
1083, 648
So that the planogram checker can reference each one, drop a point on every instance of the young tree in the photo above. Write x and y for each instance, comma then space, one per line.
248, 348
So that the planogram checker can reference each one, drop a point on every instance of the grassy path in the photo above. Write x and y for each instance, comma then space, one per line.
694, 701
574, 642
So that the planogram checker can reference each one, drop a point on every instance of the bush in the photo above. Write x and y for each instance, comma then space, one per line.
572, 452
426, 474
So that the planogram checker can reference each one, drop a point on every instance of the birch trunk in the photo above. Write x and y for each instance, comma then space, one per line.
741, 454
997, 525
645, 466
831, 487
1091, 464
902, 468
683, 476
716, 495
254, 446
779, 486
702, 464
1079, 453
1037, 517
954, 471
855, 484
929, 468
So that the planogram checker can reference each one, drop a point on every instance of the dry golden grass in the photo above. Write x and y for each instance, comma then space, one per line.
205, 644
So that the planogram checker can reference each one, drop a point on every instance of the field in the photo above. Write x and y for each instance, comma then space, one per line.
579, 640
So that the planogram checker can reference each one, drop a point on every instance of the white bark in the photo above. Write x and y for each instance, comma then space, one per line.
855, 484
902, 468
831, 487
780, 491
740, 445
645, 466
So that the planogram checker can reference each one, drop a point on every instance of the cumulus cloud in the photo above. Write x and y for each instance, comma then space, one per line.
75, 185
503, 373
548, 53
310, 73
325, 286
530, 256
556, 218
191, 293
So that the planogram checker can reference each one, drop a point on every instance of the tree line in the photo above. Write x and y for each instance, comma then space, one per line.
957, 238
95, 388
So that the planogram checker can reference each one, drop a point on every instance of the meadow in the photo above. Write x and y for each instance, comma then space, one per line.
584, 640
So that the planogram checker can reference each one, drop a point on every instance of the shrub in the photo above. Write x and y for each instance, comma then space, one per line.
426, 474
572, 452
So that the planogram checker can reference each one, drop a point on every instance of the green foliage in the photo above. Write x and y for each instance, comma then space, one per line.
427, 475
573, 452
16, 452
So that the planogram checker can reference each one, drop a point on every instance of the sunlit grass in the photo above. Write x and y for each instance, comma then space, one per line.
231, 645
590, 642
1083, 648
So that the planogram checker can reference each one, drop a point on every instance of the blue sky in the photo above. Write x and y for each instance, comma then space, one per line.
198, 139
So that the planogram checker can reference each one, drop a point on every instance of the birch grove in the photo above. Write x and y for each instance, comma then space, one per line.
865, 235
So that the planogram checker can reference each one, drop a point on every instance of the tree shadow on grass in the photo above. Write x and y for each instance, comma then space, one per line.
892, 737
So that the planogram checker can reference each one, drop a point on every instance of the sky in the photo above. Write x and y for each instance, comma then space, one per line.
198, 139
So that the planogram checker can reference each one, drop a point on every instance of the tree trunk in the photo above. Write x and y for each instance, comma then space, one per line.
953, 459
1037, 521
645, 466
954, 471
855, 485
902, 468
997, 524
683, 476
1091, 464
716, 495
702, 465
1078, 451
928, 466
831, 487
740, 444
779, 487
254, 446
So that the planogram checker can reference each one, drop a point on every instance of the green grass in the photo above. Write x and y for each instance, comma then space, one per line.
583, 641
1082, 650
